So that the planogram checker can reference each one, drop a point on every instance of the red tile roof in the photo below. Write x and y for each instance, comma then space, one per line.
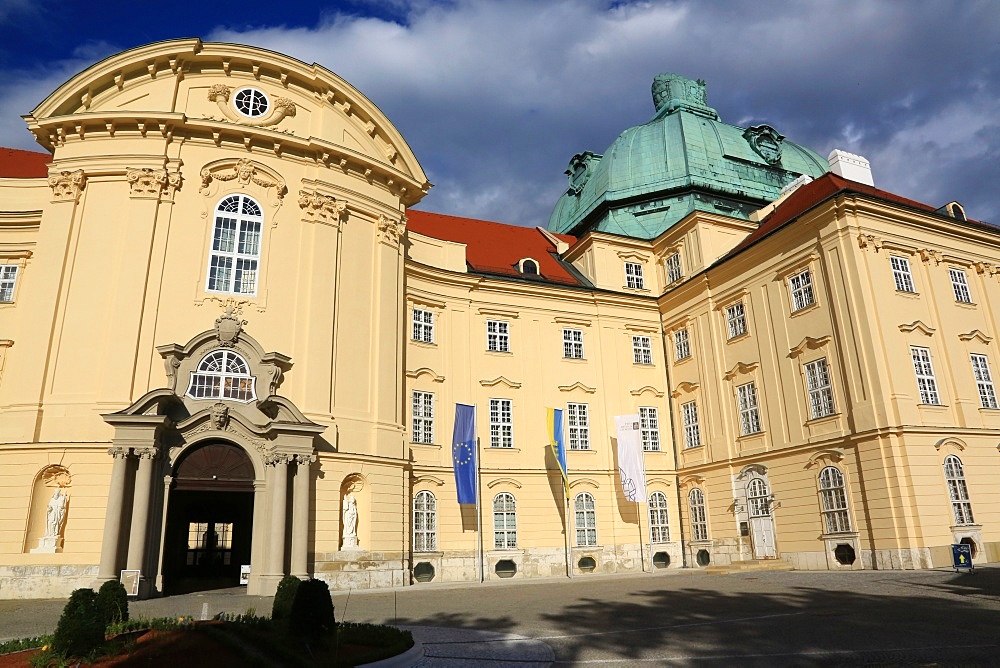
495, 248
18, 164
809, 195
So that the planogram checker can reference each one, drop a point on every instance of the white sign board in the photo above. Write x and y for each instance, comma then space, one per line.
245, 574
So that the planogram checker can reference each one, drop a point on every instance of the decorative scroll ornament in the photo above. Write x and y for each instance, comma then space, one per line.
228, 327
243, 171
145, 182
321, 208
281, 107
390, 230
765, 141
66, 186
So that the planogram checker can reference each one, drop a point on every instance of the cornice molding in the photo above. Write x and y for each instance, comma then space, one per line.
919, 326
647, 389
741, 368
577, 386
424, 371
975, 334
809, 343
500, 380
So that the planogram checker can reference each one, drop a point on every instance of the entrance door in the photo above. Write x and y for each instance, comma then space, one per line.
209, 520
761, 521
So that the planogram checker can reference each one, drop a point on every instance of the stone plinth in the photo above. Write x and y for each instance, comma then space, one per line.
48, 545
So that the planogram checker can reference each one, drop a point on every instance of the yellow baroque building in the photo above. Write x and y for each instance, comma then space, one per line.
229, 349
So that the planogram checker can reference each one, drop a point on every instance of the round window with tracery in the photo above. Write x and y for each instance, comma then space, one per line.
222, 374
251, 102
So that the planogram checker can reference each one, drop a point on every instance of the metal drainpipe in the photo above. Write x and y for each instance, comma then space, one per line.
673, 442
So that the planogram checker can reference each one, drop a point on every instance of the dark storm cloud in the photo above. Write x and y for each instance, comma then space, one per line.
494, 98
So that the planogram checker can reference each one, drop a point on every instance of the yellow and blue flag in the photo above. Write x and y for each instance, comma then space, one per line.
463, 452
557, 441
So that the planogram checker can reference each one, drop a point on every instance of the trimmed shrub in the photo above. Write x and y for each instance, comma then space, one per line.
312, 610
81, 628
284, 597
112, 602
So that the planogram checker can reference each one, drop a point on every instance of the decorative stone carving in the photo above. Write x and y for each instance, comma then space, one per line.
272, 375
145, 453
275, 458
305, 460
228, 327
146, 182
171, 362
866, 240
928, 255
118, 451
765, 141
244, 171
390, 230
281, 107
321, 208
55, 516
67, 186
220, 416
350, 521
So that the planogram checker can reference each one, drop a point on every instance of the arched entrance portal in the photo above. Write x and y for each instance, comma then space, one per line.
209, 519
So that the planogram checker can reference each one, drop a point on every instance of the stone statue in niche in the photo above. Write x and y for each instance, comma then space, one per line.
55, 515
350, 513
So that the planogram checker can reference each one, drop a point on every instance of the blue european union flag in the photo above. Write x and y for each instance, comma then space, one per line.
463, 452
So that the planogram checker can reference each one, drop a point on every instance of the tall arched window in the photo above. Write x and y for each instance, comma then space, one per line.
699, 521
235, 256
758, 498
586, 519
424, 522
504, 522
834, 499
222, 374
659, 520
954, 474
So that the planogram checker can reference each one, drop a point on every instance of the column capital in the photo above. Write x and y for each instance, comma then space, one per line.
276, 458
145, 453
305, 459
118, 452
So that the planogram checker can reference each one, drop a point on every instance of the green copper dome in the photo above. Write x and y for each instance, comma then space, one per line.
684, 159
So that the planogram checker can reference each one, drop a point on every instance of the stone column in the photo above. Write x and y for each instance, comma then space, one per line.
300, 517
167, 480
137, 538
279, 494
113, 515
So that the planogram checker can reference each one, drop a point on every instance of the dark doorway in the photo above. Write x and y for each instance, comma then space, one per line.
209, 519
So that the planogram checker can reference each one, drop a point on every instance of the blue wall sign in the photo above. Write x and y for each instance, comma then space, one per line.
961, 555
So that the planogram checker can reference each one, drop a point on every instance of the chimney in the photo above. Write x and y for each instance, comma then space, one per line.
850, 166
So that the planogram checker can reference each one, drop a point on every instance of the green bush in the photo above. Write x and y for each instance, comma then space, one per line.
112, 602
312, 610
284, 597
81, 628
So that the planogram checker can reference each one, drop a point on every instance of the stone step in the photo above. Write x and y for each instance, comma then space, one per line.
748, 566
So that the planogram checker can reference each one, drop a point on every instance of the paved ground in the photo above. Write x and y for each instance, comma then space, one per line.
678, 617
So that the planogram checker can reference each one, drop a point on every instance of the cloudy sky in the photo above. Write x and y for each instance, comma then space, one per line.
495, 97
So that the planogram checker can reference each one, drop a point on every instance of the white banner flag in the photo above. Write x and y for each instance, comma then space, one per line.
630, 461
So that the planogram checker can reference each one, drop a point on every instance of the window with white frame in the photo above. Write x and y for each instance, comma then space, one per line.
649, 427
234, 260
659, 518
498, 336
504, 522
642, 350
8, 279
250, 102
423, 417
633, 276
692, 431
925, 375
222, 374
682, 345
833, 496
736, 320
586, 519
673, 264
749, 412
573, 344
501, 424
981, 370
901, 273
954, 475
579, 426
424, 522
802, 290
423, 325
699, 519
960, 285
820, 389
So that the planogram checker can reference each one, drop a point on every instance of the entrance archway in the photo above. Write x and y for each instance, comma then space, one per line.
209, 519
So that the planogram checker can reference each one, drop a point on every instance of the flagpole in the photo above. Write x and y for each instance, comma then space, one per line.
569, 565
479, 510
642, 548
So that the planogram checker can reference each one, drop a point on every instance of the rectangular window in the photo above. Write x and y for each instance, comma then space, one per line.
633, 276
802, 290
642, 350
673, 263
423, 417
682, 345
736, 319
901, 273
925, 375
649, 425
960, 284
981, 370
501, 424
573, 344
692, 432
579, 426
498, 336
820, 389
749, 412
8, 278
423, 326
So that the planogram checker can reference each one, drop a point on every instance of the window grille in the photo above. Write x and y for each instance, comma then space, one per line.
579, 426
504, 522
8, 279
586, 520
424, 522
699, 521
235, 254
960, 285
802, 290
423, 326
834, 498
659, 519
498, 336
692, 432
682, 345
642, 350
749, 412
926, 383
501, 424
423, 417
250, 102
573, 344
954, 475
649, 426
633, 276
758, 498
820, 389
901, 273
984, 381
673, 264
222, 374
736, 320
